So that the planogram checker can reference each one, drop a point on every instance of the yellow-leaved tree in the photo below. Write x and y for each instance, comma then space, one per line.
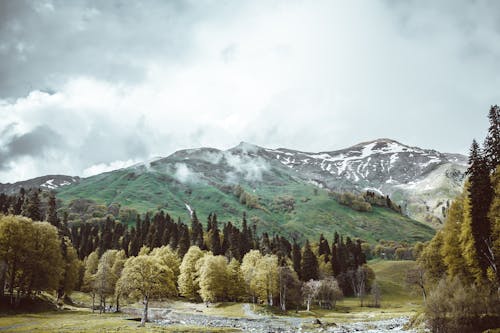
249, 270
213, 278
146, 277
188, 282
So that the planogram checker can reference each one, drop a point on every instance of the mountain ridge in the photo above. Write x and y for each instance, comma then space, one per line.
422, 181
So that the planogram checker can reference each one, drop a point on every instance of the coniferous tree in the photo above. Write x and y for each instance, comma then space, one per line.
492, 141
324, 247
309, 267
215, 245
183, 240
245, 236
31, 206
135, 243
174, 236
52, 211
296, 258
480, 196
234, 244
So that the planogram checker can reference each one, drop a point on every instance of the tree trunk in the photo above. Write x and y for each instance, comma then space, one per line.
93, 302
117, 303
104, 304
144, 318
308, 305
12, 279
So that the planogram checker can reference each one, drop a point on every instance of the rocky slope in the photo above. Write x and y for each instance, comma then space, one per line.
423, 181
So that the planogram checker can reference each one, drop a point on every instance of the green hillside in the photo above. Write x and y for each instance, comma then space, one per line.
282, 204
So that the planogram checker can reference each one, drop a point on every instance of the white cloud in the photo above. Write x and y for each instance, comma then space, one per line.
105, 167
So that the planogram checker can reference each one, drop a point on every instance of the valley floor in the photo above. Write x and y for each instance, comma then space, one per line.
179, 316
398, 308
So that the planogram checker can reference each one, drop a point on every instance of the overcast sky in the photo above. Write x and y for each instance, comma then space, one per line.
87, 86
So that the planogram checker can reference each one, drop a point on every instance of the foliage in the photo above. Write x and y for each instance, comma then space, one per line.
187, 281
32, 254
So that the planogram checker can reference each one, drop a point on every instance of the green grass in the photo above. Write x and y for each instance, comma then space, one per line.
397, 301
85, 321
315, 212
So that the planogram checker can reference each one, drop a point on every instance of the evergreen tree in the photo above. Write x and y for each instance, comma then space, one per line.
183, 240
31, 207
245, 244
480, 196
296, 258
215, 245
174, 236
309, 267
492, 141
324, 247
52, 211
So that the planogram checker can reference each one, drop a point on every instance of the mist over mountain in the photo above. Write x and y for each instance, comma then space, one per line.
421, 181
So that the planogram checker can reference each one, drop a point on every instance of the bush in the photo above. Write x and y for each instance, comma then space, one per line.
453, 307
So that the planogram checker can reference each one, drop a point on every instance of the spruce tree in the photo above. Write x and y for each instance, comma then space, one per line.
309, 267
52, 211
480, 196
215, 245
296, 258
492, 141
184, 241
31, 207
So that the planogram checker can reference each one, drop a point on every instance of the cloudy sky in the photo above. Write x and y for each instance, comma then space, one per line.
87, 86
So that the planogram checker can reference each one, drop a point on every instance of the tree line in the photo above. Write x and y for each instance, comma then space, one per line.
91, 257
458, 270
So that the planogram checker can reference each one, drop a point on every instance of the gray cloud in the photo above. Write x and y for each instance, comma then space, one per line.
123, 81
34, 143
46, 42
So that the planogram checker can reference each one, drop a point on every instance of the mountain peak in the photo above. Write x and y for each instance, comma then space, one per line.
246, 147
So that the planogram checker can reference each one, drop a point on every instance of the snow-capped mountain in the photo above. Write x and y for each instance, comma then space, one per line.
422, 181
49, 182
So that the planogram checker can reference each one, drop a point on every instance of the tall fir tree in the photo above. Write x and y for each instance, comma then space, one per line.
52, 211
296, 258
492, 141
309, 267
480, 196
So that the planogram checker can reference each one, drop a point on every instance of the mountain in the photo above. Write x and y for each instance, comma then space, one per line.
284, 189
280, 189
49, 182
422, 181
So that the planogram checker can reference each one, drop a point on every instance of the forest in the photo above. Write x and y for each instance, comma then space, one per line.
159, 258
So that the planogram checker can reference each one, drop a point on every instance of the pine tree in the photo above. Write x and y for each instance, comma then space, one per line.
480, 196
52, 211
296, 258
183, 240
309, 267
245, 236
215, 245
492, 141
324, 247
31, 207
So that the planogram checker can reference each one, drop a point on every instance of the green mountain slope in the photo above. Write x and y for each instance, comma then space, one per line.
276, 200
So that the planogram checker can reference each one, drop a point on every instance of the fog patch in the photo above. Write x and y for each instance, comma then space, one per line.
212, 157
184, 174
250, 168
